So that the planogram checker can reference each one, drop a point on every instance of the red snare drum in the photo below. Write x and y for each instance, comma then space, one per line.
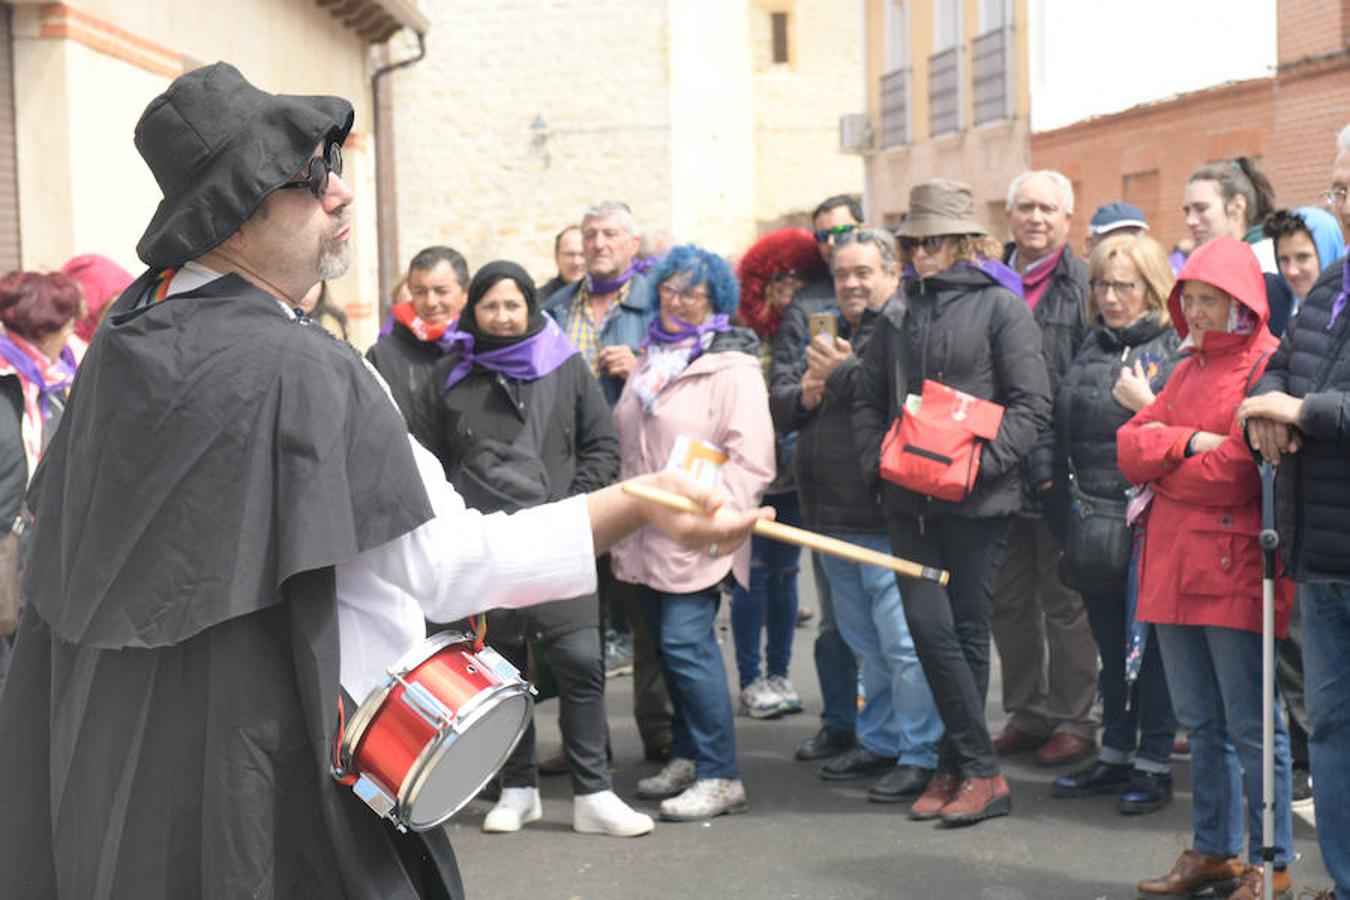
423, 744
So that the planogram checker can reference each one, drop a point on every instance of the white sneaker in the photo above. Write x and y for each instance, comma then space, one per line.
516, 808
706, 798
605, 813
789, 701
759, 700
675, 777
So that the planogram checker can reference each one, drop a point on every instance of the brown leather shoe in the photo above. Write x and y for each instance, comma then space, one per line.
1014, 740
1064, 748
1252, 884
1193, 871
978, 799
938, 794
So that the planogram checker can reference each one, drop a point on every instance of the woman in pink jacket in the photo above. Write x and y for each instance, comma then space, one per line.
1200, 574
699, 387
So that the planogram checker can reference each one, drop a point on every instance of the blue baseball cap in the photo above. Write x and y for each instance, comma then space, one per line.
1111, 216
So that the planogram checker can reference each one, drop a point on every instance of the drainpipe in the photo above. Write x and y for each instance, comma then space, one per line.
386, 209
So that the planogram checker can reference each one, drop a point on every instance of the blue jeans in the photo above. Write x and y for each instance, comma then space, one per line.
898, 717
703, 728
836, 669
1140, 732
1215, 678
1326, 659
771, 600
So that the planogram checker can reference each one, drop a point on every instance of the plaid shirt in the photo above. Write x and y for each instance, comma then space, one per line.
583, 330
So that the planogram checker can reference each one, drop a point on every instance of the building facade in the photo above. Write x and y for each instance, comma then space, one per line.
979, 90
74, 79
713, 119
947, 97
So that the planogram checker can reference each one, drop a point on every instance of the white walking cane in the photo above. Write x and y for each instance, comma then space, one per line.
1270, 543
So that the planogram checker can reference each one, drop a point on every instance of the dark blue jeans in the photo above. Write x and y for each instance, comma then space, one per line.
703, 728
1326, 660
770, 605
1139, 732
836, 667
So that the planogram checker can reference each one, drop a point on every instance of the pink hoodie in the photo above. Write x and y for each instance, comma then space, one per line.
720, 398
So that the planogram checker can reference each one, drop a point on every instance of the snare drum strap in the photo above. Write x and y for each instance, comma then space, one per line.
340, 771
479, 626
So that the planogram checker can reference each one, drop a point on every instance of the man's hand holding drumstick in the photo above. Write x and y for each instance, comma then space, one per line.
709, 526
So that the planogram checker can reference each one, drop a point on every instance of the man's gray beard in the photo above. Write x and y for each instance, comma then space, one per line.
334, 262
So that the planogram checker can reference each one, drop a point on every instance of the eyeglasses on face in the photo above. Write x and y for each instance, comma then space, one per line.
931, 244
315, 176
686, 292
832, 235
1335, 198
1101, 286
785, 275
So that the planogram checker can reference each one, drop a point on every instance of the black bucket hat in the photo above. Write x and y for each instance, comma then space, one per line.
217, 146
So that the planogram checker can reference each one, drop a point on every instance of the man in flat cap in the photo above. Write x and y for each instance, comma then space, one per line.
231, 529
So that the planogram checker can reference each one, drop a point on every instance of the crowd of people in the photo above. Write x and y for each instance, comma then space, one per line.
1074, 439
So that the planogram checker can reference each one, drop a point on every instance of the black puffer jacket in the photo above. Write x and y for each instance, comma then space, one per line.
472, 429
964, 330
405, 362
833, 495
1061, 314
1086, 416
1313, 485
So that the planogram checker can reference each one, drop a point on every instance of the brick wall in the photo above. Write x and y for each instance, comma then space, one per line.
1312, 27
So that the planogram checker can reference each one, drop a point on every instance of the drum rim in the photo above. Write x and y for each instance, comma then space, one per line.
365, 713
415, 778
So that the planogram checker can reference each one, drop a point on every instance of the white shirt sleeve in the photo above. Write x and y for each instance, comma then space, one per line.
463, 562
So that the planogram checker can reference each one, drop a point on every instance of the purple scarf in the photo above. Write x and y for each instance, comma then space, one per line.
30, 371
599, 287
657, 334
528, 359
1345, 293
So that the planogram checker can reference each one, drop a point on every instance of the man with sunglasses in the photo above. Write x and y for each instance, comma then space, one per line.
835, 666
233, 535
1040, 626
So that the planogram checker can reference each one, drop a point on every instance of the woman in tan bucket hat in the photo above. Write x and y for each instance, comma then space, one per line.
963, 324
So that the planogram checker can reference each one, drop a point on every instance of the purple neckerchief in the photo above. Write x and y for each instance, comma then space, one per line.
657, 334
1344, 295
446, 341
644, 264
28, 369
526, 360
1003, 274
600, 287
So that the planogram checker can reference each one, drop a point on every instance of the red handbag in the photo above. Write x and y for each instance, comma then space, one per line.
935, 449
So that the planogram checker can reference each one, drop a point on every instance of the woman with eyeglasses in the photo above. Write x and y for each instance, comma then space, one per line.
772, 271
696, 400
1200, 570
965, 328
1126, 358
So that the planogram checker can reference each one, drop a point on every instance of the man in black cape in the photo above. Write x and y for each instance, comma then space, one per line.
223, 465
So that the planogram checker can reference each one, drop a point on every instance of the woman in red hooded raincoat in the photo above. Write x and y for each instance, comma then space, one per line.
1200, 575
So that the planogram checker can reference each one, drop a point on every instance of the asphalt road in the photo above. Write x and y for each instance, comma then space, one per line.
806, 838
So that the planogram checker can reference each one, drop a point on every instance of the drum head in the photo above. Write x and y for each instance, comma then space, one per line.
466, 758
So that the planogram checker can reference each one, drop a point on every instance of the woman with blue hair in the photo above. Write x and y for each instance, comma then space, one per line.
697, 401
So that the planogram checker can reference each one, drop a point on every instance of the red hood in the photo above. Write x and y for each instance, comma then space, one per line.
101, 280
1231, 266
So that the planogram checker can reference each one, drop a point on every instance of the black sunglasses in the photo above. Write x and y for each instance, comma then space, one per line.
831, 235
931, 244
316, 174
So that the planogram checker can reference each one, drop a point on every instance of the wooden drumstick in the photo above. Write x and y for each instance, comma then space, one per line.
800, 536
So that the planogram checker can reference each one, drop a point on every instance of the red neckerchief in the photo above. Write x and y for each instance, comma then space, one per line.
405, 315
1035, 282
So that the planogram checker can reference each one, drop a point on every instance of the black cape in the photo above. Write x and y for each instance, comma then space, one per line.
167, 726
